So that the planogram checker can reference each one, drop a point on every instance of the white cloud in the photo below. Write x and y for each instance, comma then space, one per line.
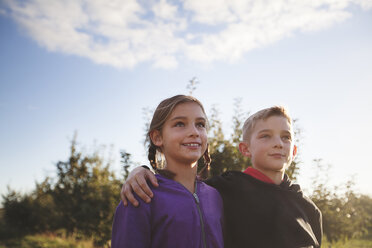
210, 11
165, 10
124, 33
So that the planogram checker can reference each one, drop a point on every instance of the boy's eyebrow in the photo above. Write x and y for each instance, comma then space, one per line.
264, 130
286, 131
270, 130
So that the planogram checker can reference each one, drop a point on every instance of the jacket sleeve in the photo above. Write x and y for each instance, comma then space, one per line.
131, 227
319, 227
216, 182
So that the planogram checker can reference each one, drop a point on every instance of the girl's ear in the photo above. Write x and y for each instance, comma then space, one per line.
244, 149
156, 138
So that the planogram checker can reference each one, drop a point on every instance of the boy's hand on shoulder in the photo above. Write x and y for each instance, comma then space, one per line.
136, 182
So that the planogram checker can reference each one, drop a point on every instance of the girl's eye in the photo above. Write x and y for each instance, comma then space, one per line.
265, 136
287, 137
179, 124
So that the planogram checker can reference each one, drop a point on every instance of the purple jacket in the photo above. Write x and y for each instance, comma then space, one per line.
174, 218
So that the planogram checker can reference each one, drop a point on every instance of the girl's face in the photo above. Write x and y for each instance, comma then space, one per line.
183, 138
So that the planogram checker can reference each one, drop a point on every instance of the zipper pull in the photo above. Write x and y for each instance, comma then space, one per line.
196, 198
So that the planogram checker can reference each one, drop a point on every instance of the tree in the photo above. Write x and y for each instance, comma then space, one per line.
18, 216
224, 152
238, 120
81, 200
345, 214
126, 162
294, 170
86, 193
28, 213
191, 86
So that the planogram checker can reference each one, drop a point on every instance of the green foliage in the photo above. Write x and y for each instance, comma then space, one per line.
18, 215
126, 162
353, 243
294, 169
81, 200
42, 241
346, 215
224, 152
191, 86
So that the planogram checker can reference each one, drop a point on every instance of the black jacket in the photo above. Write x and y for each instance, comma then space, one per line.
258, 214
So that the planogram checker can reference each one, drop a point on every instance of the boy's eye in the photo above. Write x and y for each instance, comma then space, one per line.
287, 137
200, 124
264, 136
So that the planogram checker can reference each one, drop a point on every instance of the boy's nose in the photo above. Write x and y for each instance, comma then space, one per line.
278, 142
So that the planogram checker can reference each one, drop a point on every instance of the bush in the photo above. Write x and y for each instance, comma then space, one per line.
41, 241
346, 214
81, 201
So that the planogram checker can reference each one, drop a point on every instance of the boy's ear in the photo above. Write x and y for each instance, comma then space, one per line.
156, 138
294, 151
244, 149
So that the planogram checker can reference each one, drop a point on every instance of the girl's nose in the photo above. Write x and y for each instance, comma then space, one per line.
194, 130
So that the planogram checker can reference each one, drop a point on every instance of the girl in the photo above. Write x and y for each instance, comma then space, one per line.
186, 212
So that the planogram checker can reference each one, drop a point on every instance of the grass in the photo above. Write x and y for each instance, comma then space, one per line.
52, 241
353, 243
43, 241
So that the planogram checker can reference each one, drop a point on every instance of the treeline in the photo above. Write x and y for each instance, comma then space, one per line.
81, 200
346, 214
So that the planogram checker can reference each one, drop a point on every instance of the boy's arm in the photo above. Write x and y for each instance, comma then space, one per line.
136, 182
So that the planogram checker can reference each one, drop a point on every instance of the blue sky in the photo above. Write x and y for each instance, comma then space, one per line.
93, 67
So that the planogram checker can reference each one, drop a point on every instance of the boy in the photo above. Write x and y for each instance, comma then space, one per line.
262, 207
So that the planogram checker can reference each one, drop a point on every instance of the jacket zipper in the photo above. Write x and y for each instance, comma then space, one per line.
199, 210
200, 215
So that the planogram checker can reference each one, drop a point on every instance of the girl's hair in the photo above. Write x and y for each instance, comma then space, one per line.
161, 114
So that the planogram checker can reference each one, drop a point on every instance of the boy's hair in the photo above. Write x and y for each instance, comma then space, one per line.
263, 114
161, 114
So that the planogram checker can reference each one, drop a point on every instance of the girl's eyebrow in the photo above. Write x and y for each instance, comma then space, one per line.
185, 117
178, 118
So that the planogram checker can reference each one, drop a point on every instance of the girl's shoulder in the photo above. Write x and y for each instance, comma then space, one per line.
170, 187
165, 182
167, 186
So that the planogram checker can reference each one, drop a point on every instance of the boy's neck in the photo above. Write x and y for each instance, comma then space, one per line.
185, 175
275, 176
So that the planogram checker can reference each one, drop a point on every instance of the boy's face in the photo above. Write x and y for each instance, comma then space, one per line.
270, 146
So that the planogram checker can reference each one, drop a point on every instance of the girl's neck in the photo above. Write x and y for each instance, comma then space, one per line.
185, 174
